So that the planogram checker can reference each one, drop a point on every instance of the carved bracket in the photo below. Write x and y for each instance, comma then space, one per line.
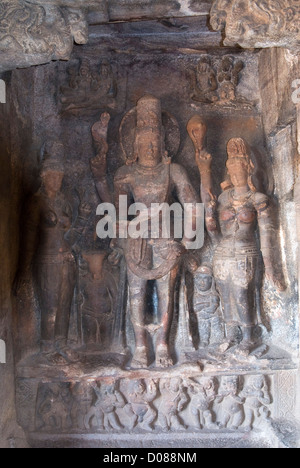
258, 24
35, 34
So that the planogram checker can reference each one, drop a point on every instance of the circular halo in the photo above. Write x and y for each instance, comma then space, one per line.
127, 134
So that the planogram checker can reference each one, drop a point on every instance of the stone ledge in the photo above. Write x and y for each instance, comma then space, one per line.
172, 441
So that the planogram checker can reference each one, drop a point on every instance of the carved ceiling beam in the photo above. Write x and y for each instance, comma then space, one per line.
34, 32
257, 23
131, 10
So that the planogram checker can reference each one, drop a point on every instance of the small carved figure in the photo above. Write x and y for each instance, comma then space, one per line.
231, 411
79, 88
102, 414
82, 396
257, 399
55, 409
98, 293
228, 78
87, 87
206, 302
105, 84
173, 401
203, 393
233, 222
204, 82
139, 409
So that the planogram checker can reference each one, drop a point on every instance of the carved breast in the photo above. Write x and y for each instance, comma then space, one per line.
237, 215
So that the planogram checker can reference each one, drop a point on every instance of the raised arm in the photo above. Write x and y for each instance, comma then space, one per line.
268, 241
197, 132
99, 163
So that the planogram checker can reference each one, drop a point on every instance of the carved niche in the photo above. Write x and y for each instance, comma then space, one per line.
215, 81
144, 336
87, 87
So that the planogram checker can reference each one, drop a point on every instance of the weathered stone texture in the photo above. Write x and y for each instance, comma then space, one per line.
257, 24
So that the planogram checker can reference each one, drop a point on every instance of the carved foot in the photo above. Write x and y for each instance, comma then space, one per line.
260, 350
68, 354
56, 359
146, 427
256, 349
163, 358
226, 345
140, 358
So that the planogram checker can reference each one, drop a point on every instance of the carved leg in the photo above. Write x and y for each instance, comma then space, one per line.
175, 422
148, 419
132, 417
208, 418
112, 419
162, 420
64, 300
137, 294
89, 326
237, 420
165, 293
224, 419
204, 332
249, 418
248, 319
227, 300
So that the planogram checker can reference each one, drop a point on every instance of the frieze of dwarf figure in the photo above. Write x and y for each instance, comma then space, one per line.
203, 393
54, 404
102, 415
83, 396
227, 403
230, 414
257, 401
174, 399
139, 408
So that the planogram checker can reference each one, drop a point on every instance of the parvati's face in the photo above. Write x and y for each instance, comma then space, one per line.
238, 171
52, 181
149, 148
